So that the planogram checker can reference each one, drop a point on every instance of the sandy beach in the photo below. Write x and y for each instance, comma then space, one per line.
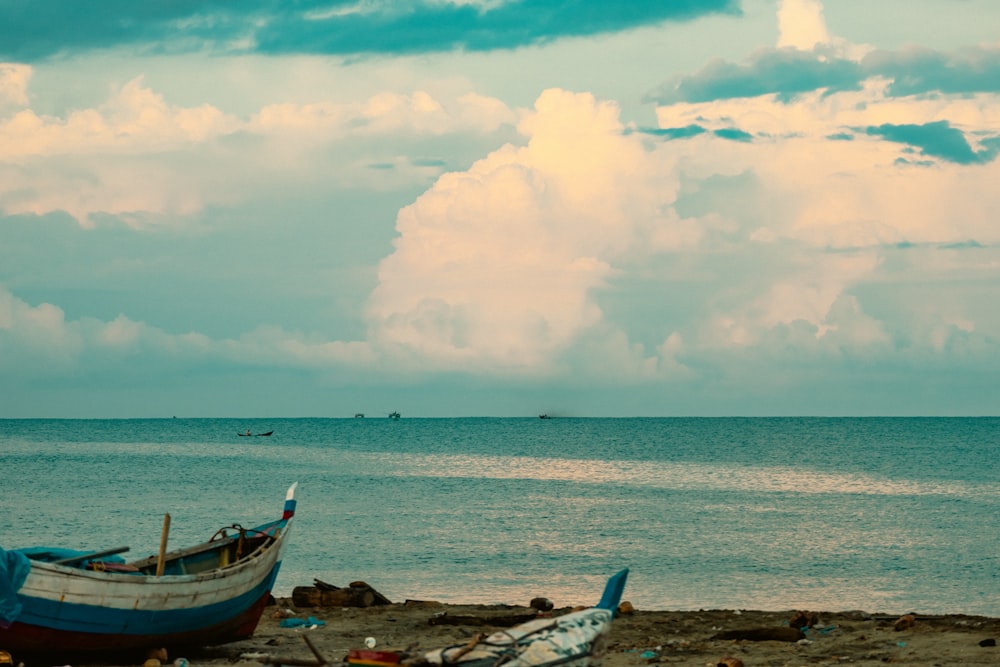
642, 637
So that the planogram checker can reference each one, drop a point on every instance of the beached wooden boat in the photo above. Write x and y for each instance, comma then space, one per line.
577, 639
211, 593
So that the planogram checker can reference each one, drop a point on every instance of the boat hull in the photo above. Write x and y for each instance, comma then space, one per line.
71, 610
578, 639
37, 639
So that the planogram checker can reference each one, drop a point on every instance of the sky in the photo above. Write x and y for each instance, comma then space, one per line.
456, 208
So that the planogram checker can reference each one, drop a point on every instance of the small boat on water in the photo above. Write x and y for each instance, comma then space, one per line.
393, 415
211, 593
248, 433
578, 639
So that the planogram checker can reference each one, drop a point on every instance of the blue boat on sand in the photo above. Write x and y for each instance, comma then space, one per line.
211, 593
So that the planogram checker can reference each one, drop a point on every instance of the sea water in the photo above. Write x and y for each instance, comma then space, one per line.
884, 515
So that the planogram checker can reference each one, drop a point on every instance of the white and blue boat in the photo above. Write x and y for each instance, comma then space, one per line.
577, 639
211, 593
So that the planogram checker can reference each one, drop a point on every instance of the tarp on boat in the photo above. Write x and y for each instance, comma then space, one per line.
53, 554
14, 568
15, 565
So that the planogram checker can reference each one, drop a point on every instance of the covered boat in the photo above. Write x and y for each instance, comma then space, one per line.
577, 639
211, 593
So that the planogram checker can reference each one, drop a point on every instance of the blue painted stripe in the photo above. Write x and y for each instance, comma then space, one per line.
102, 620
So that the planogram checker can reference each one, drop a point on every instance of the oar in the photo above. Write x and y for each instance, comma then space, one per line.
96, 554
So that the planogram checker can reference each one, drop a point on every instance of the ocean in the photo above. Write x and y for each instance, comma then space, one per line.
885, 515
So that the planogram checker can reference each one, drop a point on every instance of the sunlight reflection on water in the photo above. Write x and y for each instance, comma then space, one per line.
677, 476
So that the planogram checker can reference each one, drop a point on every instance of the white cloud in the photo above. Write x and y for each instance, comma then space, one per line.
39, 340
587, 252
812, 293
35, 339
801, 25
495, 267
133, 120
272, 346
139, 157
851, 193
14, 80
386, 113
498, 267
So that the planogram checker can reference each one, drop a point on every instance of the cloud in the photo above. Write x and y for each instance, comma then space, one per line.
135, 119
808, 59
803, 218
385, 113
40, 341
809, 296
818, 210
784, 73
138, 157
344, 27
14, 80
35, 340
801, 25
915, 70
937, 139
495, 268
862, 192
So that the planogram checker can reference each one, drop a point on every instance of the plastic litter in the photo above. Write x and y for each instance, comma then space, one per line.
311, 622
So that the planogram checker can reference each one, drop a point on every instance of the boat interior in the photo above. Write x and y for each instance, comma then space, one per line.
229, 546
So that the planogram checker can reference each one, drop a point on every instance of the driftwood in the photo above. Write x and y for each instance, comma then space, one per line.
804, 619
322, 594
505, 621
763, 634
729, 661
319, 660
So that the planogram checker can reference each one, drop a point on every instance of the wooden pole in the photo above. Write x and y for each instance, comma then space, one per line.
319, 661
161, 562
